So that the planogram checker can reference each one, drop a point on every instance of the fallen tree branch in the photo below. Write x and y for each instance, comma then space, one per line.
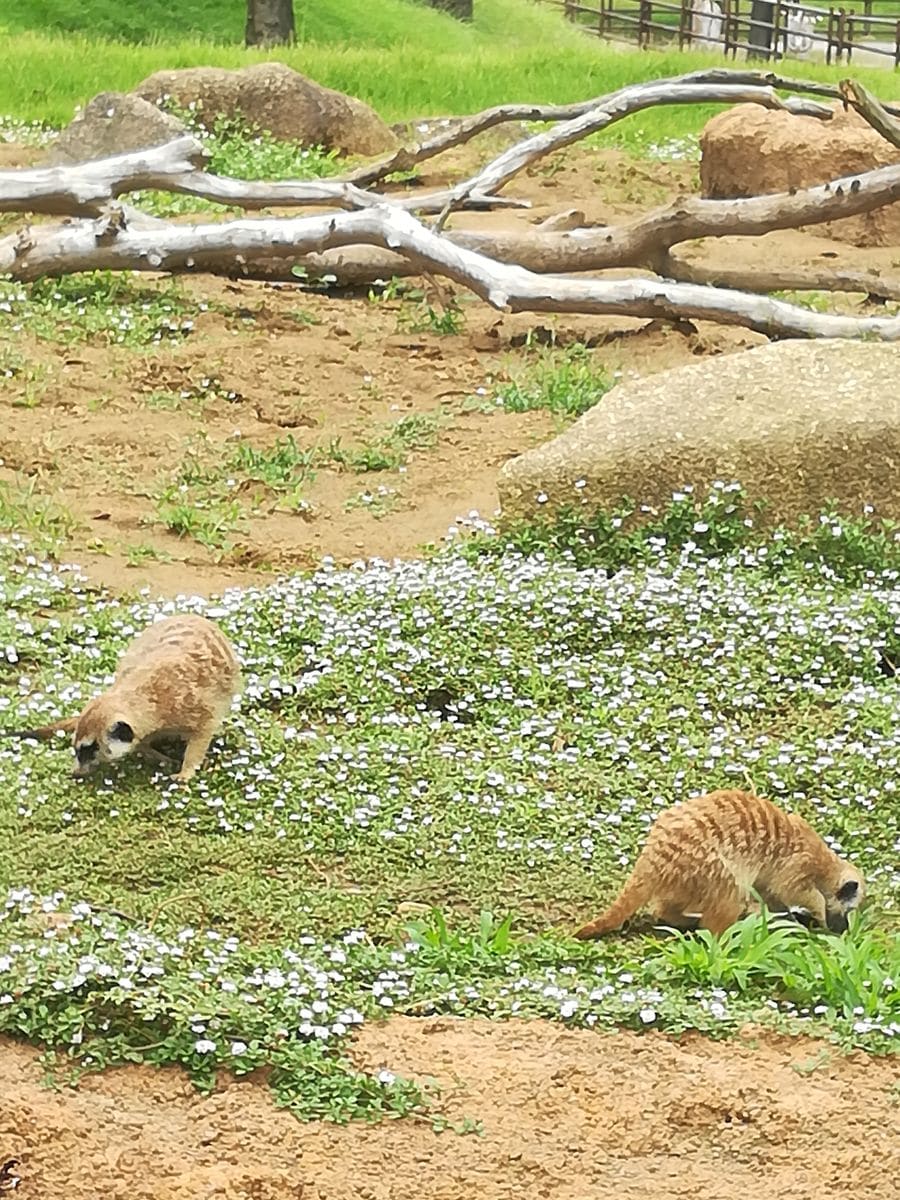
85, 189
613, 108
644, 242
106, 244
783, 83
800, 279
871, 108
463, 129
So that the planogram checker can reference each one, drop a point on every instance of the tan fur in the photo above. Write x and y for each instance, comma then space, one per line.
703, 857
177, 679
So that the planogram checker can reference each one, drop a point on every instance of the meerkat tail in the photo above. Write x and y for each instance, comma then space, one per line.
67, 725
629, 900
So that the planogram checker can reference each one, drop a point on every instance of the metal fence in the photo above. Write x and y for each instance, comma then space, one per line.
756, 28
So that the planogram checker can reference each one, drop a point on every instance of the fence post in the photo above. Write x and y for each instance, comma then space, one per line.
760, 36
644, 19
897, 46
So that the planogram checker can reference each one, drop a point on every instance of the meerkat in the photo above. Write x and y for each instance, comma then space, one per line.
176, 680
702, 858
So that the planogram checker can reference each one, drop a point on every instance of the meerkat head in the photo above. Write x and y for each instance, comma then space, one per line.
848, 895
102, 735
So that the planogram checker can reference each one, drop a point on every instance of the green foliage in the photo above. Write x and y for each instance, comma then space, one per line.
631, 534
438, 771
851, 547
105, 307
448, 947
742, 957
25, 507
209, 520
386, 24
856, 976
390, 449
512, 49
283, 468
566, 382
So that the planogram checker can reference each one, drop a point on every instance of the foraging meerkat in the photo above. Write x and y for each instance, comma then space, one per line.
177, 679
702, 857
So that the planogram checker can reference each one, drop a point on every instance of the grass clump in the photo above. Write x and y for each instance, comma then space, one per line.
390, 449
856, 978
26, 508
97, 306
565, 382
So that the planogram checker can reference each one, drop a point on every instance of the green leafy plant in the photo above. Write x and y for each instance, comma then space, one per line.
566, 382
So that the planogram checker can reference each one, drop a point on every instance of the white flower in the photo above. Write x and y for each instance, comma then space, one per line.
238, 1048
204, 1046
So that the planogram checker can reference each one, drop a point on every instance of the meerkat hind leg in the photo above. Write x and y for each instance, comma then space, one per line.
722, 913
677, 916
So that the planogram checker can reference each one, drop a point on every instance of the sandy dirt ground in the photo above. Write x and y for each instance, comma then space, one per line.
108, 428
563, 1114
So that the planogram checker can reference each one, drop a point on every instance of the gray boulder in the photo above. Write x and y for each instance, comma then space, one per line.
796, 423
113, 123
275, 98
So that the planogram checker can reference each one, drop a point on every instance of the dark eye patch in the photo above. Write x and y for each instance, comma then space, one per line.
848, 891
86, 752
121, 732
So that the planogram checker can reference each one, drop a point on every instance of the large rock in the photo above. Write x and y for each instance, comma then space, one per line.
796, 423
273, 97
114, 123
752, 151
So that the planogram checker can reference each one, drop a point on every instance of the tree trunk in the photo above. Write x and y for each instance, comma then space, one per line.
461, 9
269, 22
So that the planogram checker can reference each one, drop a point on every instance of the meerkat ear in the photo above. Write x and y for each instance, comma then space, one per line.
848, 891
121, 732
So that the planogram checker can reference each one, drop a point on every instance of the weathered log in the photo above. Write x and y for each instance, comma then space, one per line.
106, 243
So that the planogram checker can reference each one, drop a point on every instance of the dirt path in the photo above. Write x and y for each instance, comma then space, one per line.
566, 1114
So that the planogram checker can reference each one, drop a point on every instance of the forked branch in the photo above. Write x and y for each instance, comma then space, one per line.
106, 244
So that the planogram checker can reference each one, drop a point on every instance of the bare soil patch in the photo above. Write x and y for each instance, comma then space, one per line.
105, 428
564, 1114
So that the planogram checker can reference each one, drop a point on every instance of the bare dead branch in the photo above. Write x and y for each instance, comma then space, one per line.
463, 129
622, 104
800, 279
85, 189
871, 108
105, 244
645, 241
782, 83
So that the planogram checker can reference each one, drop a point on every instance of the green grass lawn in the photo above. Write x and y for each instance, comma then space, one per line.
401, 57
436, 772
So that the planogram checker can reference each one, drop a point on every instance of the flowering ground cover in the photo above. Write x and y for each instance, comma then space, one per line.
437, 770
